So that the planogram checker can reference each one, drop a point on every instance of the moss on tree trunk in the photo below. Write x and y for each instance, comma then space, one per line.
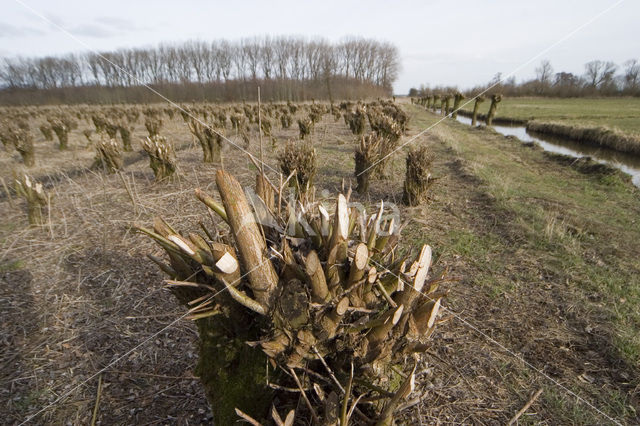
233, 373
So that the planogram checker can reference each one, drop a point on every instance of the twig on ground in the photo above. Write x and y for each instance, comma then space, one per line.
94, 417
525, 408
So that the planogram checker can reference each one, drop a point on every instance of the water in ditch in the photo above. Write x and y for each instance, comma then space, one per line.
627, 163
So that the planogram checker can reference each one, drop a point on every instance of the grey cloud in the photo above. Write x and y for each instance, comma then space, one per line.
9, 31
106, 26
91, 30
55, 20
116, 23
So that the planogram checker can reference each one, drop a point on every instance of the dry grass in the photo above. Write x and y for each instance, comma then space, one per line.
77, 293
599, 136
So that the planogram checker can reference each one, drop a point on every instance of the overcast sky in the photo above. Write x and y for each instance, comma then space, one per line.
462, 42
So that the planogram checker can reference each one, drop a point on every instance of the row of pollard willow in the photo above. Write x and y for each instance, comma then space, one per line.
430, 102
387, 122
403, 322
117, 122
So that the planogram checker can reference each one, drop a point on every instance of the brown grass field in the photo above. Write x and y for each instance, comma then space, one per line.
545, 251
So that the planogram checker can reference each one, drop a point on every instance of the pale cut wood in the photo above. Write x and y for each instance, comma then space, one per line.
424, 262
177, 240
410, 293
261, 274
340, 230
324, 221
425, 315
319, 289
389, 319
227, 264
358, 264
247, 418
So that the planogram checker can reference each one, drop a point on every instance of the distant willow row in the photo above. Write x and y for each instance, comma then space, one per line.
250, 59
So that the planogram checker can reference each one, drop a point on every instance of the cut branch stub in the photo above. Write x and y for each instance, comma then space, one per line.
319, 289
252, 248
340, 230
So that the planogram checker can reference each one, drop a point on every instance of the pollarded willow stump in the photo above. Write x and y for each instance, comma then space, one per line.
436, 98
446, 105
162, 158
457, 100
34, 195
495, 100
108, 156
210, 140
476, 105
297, 303
418, 177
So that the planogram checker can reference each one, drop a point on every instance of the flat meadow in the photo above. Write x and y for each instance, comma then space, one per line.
621, 113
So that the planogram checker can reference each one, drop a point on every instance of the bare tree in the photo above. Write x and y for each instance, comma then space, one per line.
544, 72
294, 62
599, 73
631, 75
224, 55
251, 53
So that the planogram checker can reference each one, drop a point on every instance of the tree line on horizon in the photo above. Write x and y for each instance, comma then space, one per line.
600, 78
289, 68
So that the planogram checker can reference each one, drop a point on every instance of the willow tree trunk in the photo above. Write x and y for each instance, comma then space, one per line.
474, 120
363, 173
495, 100
63, 138
28, 156
125, 134
457, 100
232, 373
212, 151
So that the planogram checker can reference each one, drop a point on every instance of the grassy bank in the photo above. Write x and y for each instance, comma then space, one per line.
548, 250
622, 114
600, 136
612, 123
